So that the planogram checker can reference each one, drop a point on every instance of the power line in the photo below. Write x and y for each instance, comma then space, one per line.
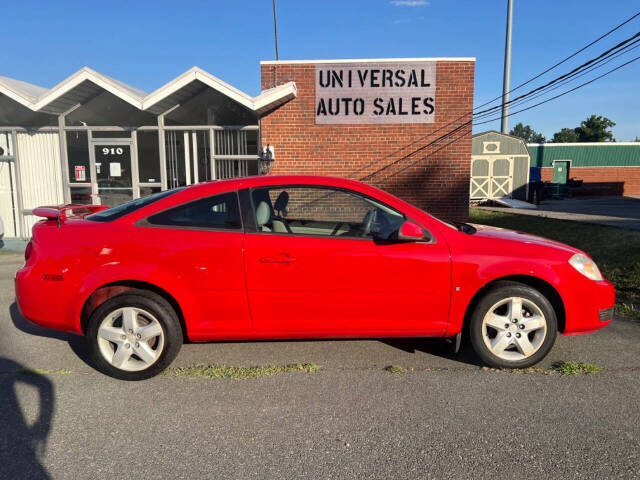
574, 72
469, 123
568, 91
565, 78
552, 67
569, 77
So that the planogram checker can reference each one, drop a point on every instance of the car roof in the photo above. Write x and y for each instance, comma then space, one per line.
272, 180
260, 180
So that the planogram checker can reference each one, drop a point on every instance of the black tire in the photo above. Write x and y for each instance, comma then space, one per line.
500, 291
160, 309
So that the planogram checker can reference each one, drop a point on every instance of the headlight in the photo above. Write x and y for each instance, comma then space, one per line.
585, 266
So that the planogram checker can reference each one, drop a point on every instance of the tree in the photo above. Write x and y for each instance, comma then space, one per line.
593, 129
596, 129
528, 134
566, 135
637, 139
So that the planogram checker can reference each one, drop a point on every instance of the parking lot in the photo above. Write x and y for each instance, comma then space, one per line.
446, 417
620, 212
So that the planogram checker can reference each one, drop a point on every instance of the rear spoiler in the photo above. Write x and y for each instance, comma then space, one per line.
61, 212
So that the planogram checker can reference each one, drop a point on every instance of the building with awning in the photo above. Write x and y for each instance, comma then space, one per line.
94, 139
401, 124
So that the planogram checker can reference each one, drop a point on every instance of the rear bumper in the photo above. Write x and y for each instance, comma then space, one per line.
42, 301
589, 306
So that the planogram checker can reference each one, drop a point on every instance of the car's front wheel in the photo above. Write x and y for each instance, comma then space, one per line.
134, 335
513, 326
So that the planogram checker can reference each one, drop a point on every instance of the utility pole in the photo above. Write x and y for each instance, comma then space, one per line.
275, 33
507, 70
275, 27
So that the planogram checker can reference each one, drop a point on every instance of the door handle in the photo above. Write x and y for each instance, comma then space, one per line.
283, 258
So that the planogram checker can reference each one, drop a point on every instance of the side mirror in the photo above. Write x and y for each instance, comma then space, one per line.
410, 231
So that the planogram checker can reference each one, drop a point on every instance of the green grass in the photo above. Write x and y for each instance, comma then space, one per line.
628, 310
42, 371
616, 251
238, 373
575, 368
397, 369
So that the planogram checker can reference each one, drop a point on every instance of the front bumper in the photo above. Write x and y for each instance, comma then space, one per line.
588, 305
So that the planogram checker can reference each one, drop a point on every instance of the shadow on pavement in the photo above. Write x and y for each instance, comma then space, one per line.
432, 346
23, 441
76, 342
435, 346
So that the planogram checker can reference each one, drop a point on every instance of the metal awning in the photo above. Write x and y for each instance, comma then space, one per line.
86, 84
22, 92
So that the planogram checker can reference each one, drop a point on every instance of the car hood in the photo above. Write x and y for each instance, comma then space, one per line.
496, 233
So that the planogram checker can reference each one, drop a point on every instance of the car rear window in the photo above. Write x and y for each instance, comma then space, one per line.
219, 212
126, 208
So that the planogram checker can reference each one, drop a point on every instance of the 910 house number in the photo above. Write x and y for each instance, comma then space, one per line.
112, 151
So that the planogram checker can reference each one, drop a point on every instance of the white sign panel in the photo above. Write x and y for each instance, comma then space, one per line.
375, 93
115, 169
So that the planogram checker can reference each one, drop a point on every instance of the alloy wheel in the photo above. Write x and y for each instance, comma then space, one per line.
514, 328
130, 339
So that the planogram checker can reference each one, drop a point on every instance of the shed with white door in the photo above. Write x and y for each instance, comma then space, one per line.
499, 166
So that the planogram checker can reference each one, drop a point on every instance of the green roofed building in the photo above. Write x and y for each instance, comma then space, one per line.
606, 168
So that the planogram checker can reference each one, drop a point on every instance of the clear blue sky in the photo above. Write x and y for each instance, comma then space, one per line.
147, 43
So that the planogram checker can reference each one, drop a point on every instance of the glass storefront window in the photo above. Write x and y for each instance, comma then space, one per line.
204, 157
146, 191
175, 148
111, 134
251, 139
113, 169
236, 142
6, 144
78, 156
81, 195
148, 157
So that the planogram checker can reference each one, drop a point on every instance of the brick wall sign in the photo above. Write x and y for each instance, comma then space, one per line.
375, 93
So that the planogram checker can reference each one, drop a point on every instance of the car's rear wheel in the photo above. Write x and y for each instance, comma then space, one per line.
134, 335
513, 326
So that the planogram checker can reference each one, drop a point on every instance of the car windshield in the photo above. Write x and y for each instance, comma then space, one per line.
126, 208
460, 226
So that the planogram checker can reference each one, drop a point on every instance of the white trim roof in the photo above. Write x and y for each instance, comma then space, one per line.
589, 144
22, 92
71, 91
372, 60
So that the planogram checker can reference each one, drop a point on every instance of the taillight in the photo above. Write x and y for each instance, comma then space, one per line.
28, 251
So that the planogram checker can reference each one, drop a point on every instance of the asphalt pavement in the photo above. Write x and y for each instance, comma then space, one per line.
620, 212
446, 418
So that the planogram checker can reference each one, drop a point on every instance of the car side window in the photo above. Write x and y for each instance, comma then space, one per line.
217, 212
323, 211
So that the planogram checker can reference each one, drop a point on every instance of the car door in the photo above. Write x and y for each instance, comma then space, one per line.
313, 267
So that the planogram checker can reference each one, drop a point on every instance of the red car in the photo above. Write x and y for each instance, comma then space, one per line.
274, 257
